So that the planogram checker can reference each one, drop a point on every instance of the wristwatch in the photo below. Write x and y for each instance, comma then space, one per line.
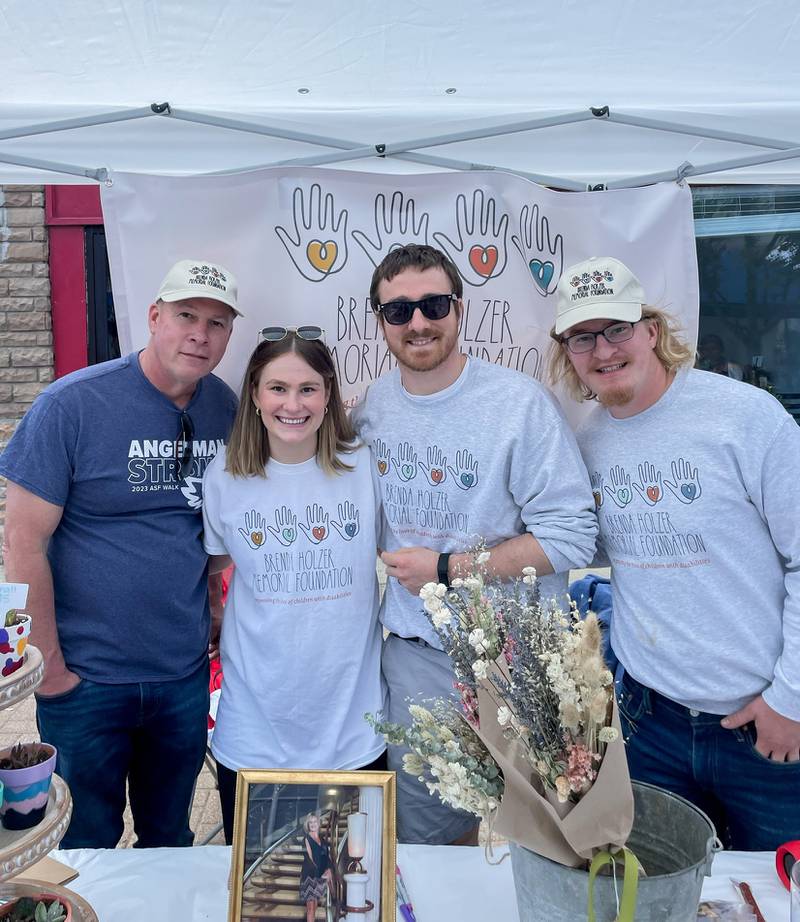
442, 567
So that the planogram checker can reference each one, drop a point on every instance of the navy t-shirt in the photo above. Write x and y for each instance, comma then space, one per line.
129, 569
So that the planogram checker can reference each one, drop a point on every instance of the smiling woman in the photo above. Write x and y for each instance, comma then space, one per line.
293, 502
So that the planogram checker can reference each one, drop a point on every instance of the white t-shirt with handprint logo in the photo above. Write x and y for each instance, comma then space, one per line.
301, 641
697, 499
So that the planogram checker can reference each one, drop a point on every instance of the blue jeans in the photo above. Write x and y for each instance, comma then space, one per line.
151, 734
753, 802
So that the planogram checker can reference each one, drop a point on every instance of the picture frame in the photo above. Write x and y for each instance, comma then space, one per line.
345, 862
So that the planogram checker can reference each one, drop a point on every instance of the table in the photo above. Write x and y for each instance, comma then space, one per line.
446, 883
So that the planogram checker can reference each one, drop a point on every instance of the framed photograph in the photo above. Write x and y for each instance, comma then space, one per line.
313, 845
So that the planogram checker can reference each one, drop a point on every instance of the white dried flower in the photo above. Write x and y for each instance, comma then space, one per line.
529, 571
608, 735
473, 582
442, 616
483, 557
562, 788
480, 669
457, 583
433, 604
503, 715
477, 640
413, 764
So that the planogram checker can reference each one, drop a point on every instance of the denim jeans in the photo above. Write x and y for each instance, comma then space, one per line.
151, 734
753, 802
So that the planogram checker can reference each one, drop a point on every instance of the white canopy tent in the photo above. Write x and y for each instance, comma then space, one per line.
707, 90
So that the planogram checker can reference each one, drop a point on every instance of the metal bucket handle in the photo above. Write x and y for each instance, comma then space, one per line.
713, 846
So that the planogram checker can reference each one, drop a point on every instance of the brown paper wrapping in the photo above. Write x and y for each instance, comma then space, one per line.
603, 817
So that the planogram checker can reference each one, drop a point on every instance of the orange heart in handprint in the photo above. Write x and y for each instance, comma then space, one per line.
321, 255
653, 493
483, 259
598, 499
318, 533
257, 537
382, 467
437, 474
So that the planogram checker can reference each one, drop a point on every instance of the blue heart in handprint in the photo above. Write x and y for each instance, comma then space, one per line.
288, 534
689, 490
542, 272
624, 495
467, 479
351, 528
408, 471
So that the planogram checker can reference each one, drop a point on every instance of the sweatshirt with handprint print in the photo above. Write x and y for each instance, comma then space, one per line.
301, 641
698, 500
488, 458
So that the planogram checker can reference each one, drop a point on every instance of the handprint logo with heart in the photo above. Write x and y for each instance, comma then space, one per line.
620, 490
383, 456
465, 470
649, 487
479, 251
285, 530
436, 468
685, 483
316, 524
543, 253
348, 524
318, 244
254, 531
405, 464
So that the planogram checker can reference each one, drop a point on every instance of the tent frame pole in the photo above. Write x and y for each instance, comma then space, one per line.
410, 150
100, 173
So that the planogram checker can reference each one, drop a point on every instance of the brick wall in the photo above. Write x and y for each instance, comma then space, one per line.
26, 340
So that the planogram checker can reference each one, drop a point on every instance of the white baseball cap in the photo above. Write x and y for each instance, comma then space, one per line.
600, 287
195, 278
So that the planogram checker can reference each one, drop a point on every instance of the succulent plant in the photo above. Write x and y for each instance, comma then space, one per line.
24, 755
12, 618
27, 909
55, 912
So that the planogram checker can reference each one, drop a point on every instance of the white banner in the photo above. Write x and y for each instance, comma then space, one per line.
304, 242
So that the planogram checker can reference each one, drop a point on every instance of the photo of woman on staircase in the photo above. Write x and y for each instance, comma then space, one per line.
315, 876
293, 502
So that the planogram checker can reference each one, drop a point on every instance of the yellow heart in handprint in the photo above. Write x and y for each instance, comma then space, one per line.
321, 255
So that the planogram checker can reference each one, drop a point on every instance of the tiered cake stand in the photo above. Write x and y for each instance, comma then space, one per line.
22, 848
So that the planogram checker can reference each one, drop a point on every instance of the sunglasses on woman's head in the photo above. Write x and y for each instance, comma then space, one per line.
434, 307
276, 334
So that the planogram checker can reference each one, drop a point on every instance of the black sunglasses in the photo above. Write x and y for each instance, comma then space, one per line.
276, 334
434, 307
184, 446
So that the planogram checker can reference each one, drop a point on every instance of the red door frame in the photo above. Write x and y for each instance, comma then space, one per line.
68, 210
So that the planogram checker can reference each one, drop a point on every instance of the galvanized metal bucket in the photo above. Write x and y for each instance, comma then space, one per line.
675, 843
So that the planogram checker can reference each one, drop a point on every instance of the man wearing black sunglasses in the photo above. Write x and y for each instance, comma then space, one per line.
104, 522
465, 451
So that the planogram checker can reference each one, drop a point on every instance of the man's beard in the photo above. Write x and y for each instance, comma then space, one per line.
616, 396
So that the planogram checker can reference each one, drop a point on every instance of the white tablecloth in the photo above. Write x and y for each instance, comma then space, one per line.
445, 883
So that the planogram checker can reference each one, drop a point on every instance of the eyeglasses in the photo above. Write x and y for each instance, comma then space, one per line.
619, 332
184, 446
434, 307
276, 334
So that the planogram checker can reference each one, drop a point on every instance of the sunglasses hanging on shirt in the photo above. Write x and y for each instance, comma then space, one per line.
276, 334
184, 446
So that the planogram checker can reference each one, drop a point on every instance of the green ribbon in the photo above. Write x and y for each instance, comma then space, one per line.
630, 882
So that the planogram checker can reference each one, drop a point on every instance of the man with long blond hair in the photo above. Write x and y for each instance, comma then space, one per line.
695, 481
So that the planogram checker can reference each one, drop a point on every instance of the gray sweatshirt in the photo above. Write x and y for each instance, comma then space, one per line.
489, 457
698, 506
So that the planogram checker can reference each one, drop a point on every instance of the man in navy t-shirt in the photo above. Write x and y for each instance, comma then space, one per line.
103, 521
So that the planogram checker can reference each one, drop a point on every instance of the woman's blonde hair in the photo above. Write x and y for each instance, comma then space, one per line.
307, 821
670, 349
247, 452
